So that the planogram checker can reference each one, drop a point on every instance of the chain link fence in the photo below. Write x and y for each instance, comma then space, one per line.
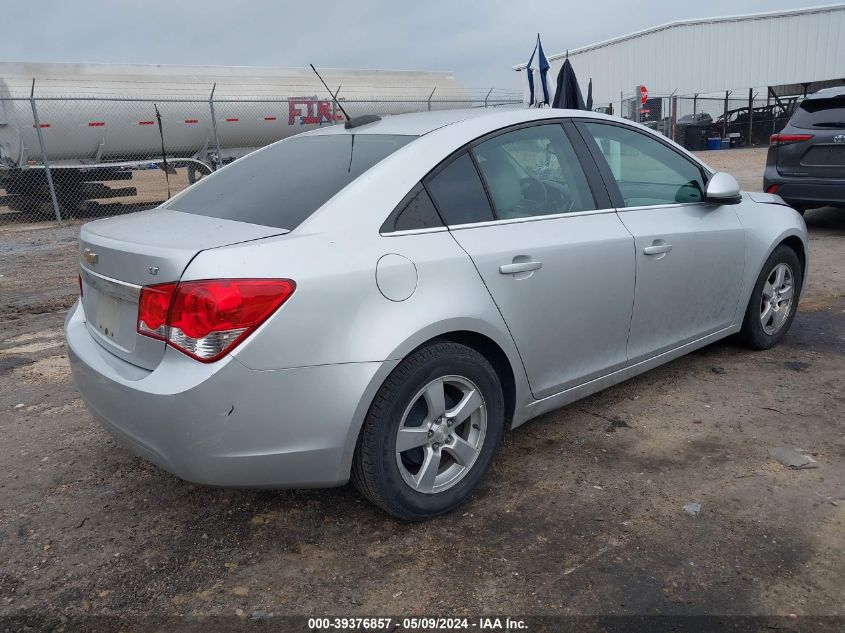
712, 121
65, 157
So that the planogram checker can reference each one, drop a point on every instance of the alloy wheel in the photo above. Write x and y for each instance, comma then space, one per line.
441, 434
777, 299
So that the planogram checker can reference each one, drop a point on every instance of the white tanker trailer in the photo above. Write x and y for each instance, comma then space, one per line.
99, 121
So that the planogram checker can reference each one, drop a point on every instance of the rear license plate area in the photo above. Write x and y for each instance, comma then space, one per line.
825, 156
108, 316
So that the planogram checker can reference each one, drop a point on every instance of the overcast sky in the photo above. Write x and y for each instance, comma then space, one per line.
480, 40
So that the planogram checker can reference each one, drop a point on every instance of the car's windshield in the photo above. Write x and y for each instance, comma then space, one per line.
285, 183
820, 113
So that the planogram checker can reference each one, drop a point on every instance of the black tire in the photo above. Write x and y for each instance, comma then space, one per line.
752, 334
375, 471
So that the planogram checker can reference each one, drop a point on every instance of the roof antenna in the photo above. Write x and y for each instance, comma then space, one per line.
163, 153
350, 122
334, 97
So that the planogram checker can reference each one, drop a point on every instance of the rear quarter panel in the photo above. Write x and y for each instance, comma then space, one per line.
338, 314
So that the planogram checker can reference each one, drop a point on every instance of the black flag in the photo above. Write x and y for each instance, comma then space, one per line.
568, 94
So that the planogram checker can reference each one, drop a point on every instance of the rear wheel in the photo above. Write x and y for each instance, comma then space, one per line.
773, 301
431, 432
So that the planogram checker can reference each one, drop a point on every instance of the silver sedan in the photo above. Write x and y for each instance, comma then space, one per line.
380, 301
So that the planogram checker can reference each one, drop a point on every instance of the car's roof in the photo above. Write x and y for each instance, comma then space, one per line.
473, 123
827, 93
439, 135
420, 123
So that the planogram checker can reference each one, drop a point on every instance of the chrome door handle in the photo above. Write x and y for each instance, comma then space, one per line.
657, 249
519, 267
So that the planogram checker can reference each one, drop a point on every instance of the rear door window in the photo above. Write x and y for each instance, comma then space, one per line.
820, 113
533, 171
458, 193
281, 185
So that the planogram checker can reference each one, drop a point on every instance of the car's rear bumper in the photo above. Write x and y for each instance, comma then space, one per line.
805, 192
223, 423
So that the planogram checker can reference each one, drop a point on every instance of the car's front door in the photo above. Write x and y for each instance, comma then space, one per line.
690, 253
554, 255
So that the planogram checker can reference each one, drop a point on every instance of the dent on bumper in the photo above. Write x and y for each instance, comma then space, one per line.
223, 423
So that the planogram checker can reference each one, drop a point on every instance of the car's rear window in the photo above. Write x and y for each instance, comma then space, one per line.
284, 184
824, 113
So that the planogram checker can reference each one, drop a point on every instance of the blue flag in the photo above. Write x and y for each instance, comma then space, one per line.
538, 68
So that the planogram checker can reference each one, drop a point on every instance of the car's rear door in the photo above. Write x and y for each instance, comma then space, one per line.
690, 254
549, 247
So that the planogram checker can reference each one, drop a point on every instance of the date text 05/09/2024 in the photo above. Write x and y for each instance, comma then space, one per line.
416, 624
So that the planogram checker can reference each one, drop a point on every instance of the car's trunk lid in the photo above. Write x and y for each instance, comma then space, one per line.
118, 256
823, 154
825, 158
820, 157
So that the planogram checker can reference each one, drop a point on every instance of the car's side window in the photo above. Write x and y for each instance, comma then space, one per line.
415, 212
647, 171
458, 193
533, 171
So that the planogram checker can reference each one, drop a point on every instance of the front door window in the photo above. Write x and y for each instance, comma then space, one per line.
647, 171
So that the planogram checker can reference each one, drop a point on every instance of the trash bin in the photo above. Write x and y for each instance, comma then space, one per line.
714, 143
694, 137
691, 130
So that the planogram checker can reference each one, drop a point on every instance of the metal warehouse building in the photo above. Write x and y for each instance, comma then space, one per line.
715, 64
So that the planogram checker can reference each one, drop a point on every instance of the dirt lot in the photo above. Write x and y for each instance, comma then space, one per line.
581, 514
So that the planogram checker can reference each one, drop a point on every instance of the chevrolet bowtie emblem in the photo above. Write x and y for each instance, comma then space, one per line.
90, 256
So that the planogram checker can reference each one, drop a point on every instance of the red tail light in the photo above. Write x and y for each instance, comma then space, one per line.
785, 139
207, 319
153, 307
772, 189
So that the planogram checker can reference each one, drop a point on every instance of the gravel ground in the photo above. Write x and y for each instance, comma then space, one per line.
746, 165
581, 514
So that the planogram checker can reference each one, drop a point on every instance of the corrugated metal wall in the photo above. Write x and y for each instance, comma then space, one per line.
718, 54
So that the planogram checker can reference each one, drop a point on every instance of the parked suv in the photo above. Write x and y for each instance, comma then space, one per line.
806, 161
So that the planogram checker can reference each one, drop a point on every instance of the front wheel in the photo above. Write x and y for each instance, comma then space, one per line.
774, 300
431, 432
